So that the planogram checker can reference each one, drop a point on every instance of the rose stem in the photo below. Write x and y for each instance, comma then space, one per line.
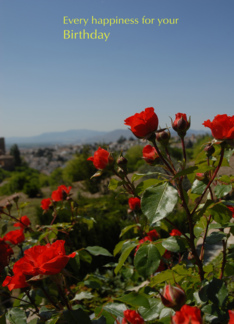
162, 158
224, 256
211, 180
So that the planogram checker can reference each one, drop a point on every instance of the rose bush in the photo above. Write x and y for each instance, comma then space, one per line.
161, 260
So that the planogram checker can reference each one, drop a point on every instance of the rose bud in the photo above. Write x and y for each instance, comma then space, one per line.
173, 297
163, 137
200, 176
122, 163
150, 155
8, 206
181, 124
209, 149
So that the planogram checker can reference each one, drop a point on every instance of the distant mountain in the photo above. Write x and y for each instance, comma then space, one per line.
79, 136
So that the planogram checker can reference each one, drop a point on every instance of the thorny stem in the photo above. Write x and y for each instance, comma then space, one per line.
162, 158
204, 239
169, 158
32, 301
211, 180
224, 256
184, 151
192, 236
49, 298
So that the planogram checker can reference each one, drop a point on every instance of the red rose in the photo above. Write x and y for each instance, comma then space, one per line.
61, 193
187, 315
143, 124
15, 237
5, 254
134, 203
15, 282
46, 259
150, 155
46, 203
101, 159
181, 124
153, 235
132, 317
175, 232
173, 297
231, 208
231, 317
222, 127
24, 222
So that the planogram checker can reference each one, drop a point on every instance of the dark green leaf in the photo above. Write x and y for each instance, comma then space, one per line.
16, 316
147, 260
198, 187
146, 184
114, 184
134, 299
222, 190
158, 202
124, 256
173, 244
186, 171
127, 228
115, 309
98, 250
215, 237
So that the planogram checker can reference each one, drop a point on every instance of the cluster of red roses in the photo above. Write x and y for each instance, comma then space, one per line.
186, 315
14, 237
46, 259
61, 193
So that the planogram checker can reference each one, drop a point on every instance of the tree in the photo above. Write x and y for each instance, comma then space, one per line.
14, 151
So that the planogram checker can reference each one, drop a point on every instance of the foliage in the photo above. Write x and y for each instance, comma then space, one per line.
123, 258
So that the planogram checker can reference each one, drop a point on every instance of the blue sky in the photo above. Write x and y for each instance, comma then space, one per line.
48, 83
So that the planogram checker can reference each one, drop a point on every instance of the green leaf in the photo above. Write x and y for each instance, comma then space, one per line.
228, 154
127, 228
83, 295
198, 187
222, 190
85, 256
98, 250
134, 299
115, 309
220, 212
200, 226
16, 316
53, 319
146, 184
173, 244
124, 256
158, 202
114, 184
147, 260
215, 237
150, 314
93, 282
186, 171
137, 176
